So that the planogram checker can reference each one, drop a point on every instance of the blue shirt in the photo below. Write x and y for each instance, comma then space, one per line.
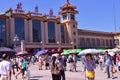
87, 65
108, 60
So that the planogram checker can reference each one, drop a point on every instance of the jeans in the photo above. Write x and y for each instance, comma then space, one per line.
62, 75
55, 77
109, 71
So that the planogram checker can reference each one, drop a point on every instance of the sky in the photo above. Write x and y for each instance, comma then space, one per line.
93, 14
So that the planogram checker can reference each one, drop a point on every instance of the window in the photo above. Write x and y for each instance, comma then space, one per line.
62, 34
107, 42
87, 42
19, 28
74, 26
51, 32
74, 33
98, 42
72, 17
111, 43
82, 42
74, 40
116, 41
102, 42
92, 42
2, 32
36, 25
64, 16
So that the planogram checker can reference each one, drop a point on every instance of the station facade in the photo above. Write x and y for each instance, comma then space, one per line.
35, 30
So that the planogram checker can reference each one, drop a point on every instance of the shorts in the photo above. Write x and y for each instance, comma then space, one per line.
23, 71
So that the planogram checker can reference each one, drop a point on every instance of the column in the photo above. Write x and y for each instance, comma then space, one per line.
46, 32
26, 29
12, 29
30, 31
8, 31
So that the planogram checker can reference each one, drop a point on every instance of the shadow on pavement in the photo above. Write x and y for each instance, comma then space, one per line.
74, 71
35, 77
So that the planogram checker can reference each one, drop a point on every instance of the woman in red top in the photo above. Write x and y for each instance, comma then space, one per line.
118, 61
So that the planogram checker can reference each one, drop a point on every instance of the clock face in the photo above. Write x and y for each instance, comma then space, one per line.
64, 16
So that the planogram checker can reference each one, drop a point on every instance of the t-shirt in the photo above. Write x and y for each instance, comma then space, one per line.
88, 66
4, 67
108, 60
25, 63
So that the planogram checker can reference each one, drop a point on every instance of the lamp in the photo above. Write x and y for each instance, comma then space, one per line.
15, 39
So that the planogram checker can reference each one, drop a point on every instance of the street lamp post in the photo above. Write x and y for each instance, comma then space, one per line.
16, 40
41, 45
58, 44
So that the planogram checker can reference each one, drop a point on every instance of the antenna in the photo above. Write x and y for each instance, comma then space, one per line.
116, 40
67, 1
114, 18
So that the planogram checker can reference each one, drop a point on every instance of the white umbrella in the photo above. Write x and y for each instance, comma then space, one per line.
55, 54
111, 53
116, 50
92, 51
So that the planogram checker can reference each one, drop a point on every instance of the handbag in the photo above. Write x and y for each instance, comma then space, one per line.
90, 74
27, 73
114, 70
57, 72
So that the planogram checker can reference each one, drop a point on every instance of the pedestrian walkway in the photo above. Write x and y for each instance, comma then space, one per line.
46, 75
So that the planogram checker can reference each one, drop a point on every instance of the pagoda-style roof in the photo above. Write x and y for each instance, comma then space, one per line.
68, 7
68, 4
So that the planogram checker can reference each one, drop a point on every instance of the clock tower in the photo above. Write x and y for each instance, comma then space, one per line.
68, 19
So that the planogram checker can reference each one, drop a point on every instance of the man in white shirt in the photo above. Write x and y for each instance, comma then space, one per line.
5, 68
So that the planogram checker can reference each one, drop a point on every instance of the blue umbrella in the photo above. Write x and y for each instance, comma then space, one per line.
41, 52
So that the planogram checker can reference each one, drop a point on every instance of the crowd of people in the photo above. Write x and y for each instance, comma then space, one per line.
57, 65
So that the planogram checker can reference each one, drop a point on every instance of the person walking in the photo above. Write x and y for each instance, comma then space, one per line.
71, 62
101, 61
47, 61
20, 67
75, 62
88, 68
24, 66
61, 67
64, 61
33, 60
5, 68
55, 71
118, 63
108, 64
15, 64
41, 62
